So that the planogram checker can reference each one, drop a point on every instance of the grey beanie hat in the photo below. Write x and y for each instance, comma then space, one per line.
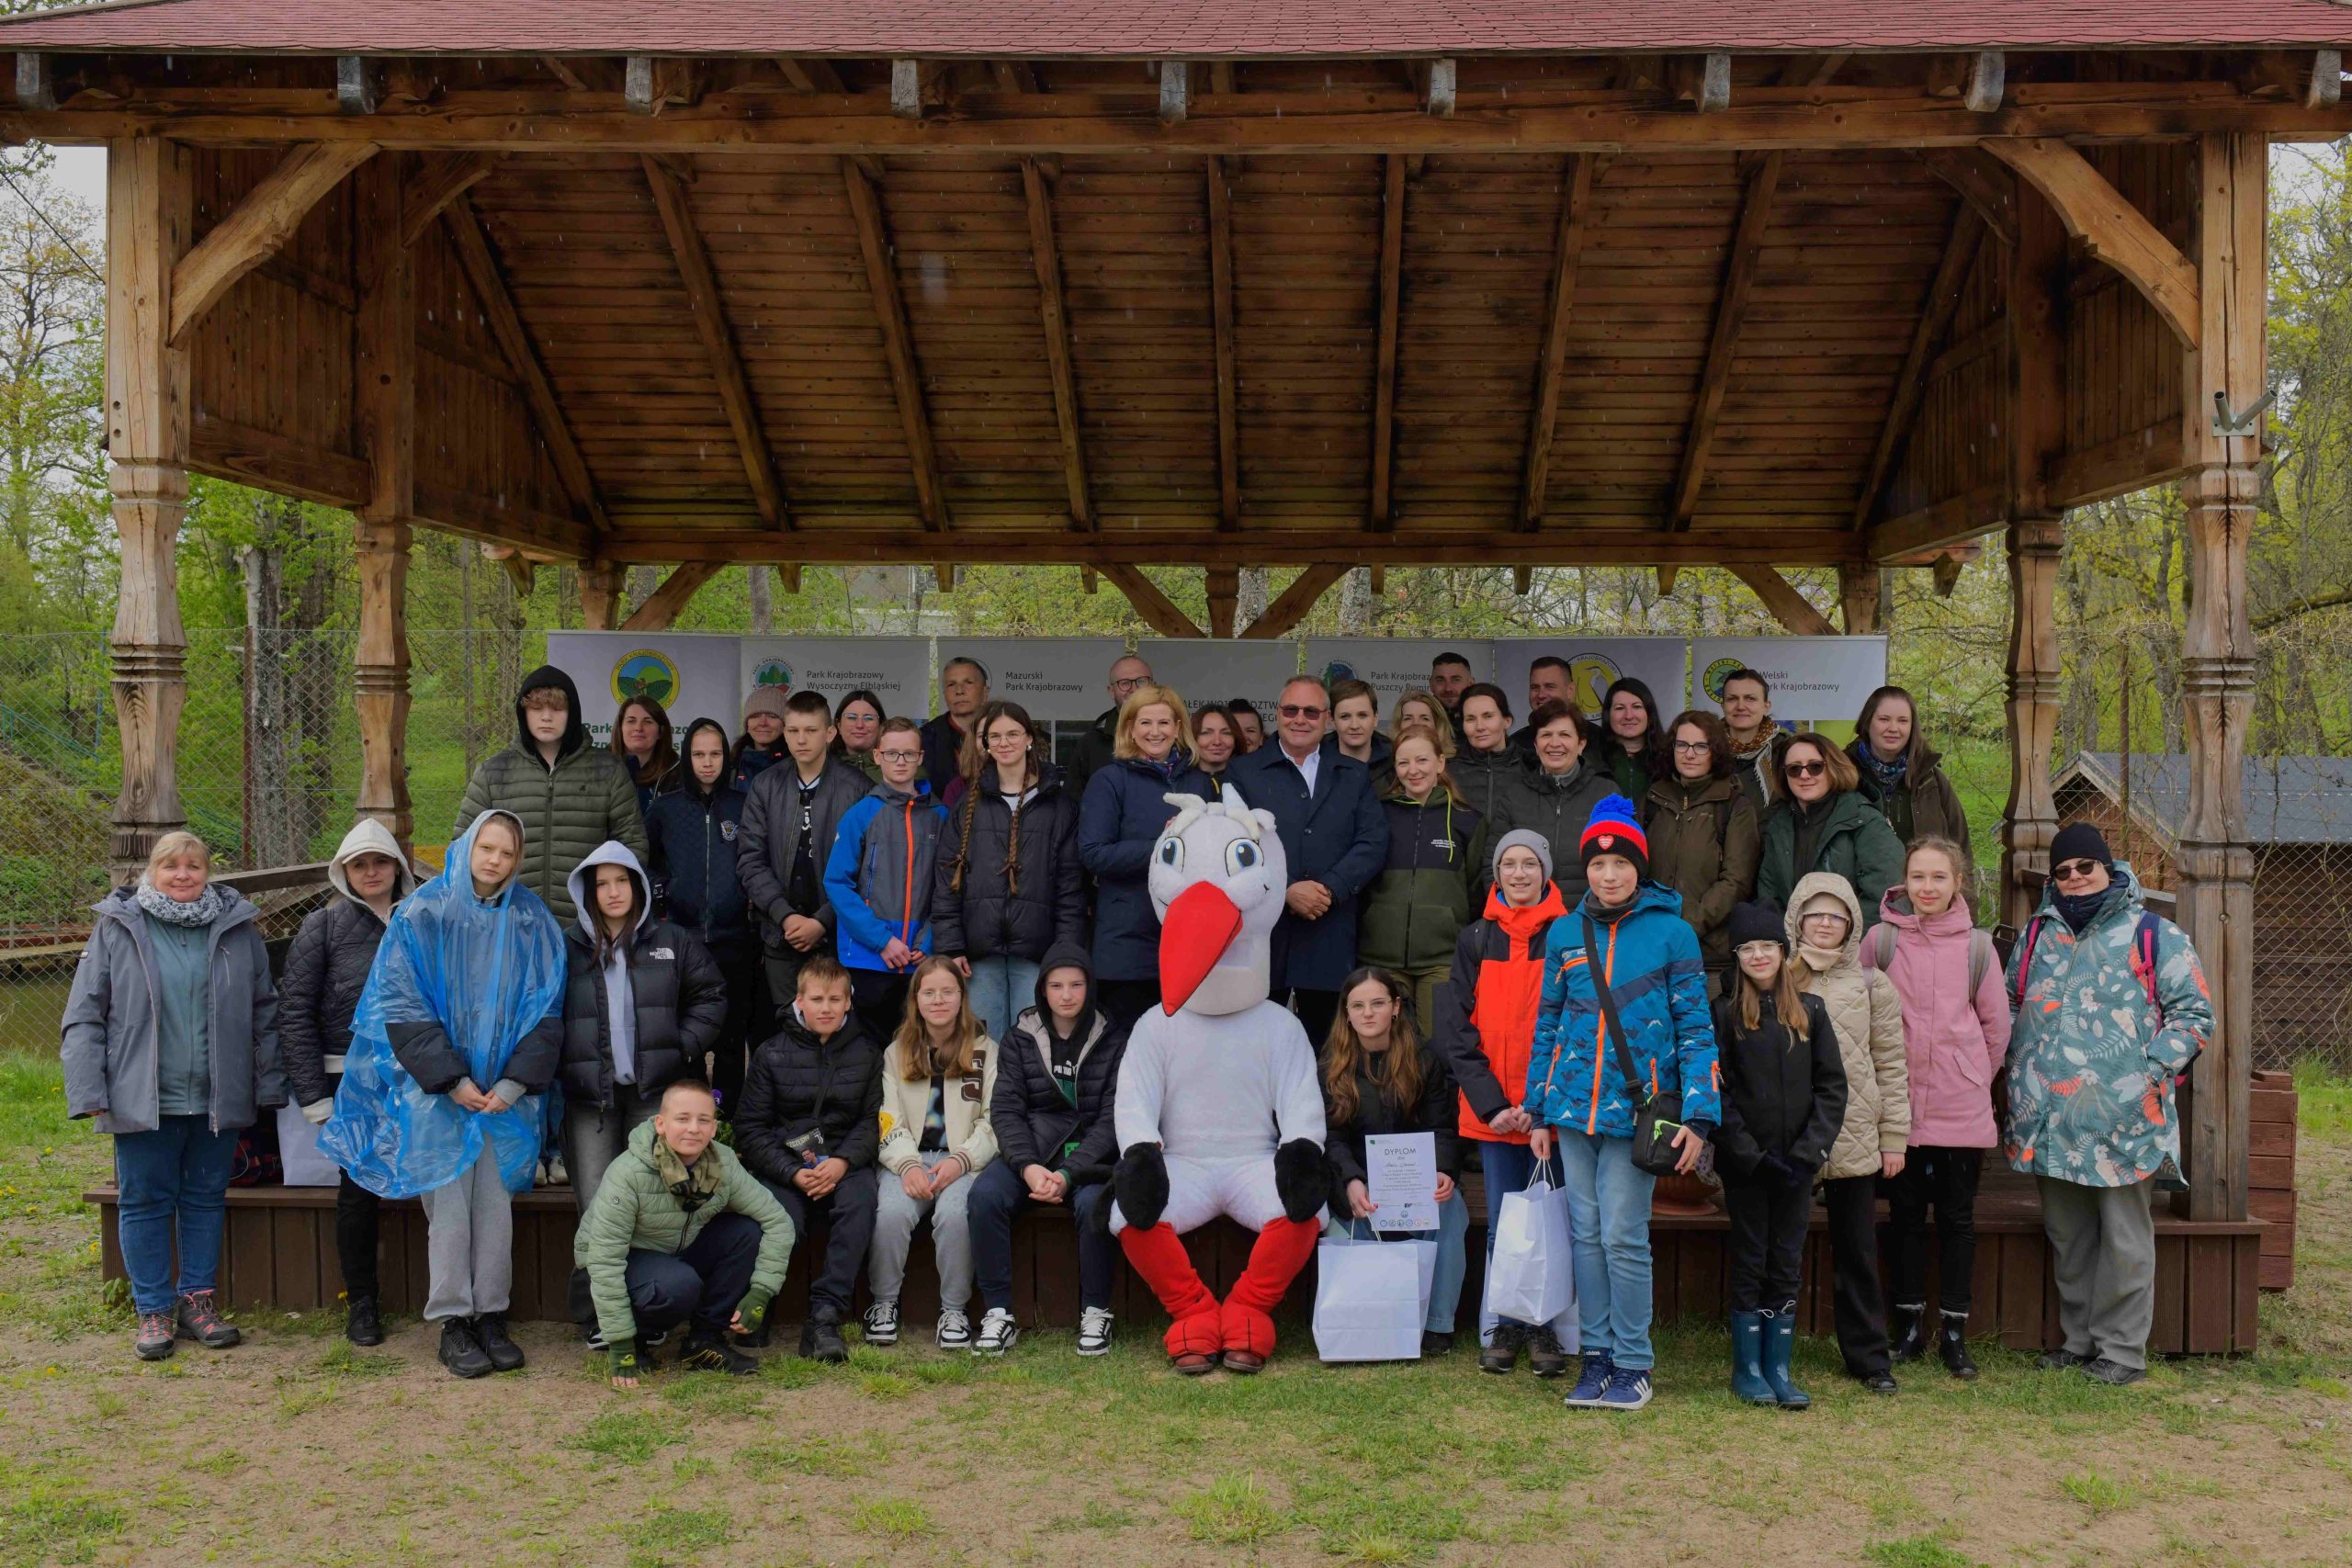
765, 699
1524, 838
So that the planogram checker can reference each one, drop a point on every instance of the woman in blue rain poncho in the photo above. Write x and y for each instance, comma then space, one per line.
467, 990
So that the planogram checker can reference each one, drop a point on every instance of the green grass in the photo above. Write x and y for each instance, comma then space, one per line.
1232, 1510
46, 1517
627, 1437
2099, 1493
2323, 1103
893, 1519
678, 1536
1917, 1552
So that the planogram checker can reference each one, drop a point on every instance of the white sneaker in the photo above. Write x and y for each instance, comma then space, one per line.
998, 1334
557, 1175
882, 1324
1095, 1332
955, 1330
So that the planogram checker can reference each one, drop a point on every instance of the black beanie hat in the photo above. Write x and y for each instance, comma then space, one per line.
2080, 841
1757, 922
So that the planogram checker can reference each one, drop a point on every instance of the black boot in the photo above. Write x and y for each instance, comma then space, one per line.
1953, 1343
362, 1323
462, 1351
503, 1353
1910, 1333
820, 1335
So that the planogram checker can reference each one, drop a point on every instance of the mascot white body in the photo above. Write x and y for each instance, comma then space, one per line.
1218, 1109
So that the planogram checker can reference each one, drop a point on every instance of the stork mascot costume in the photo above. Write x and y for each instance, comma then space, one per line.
1218, 1110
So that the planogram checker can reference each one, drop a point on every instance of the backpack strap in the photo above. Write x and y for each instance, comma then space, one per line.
1980, 960
2025, 960
2143, 955
1878, 947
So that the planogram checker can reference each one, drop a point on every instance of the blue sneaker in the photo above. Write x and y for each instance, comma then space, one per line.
1628, 1389
1592, 1382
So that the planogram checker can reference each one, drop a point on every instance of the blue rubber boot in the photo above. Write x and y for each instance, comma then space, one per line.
1779, 1344
1747, 1359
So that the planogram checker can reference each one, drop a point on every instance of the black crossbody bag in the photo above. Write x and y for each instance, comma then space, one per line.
1657, 1119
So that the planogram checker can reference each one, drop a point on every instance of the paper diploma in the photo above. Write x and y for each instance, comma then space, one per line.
1400, 1174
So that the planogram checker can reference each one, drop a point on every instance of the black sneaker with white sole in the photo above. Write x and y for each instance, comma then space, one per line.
1094, 1331
998, 1333
954, 1331
882, 1324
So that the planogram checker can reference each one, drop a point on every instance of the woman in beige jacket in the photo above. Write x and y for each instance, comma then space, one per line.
1824, 927
937, 1075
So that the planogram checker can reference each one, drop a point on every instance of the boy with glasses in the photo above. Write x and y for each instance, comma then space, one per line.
878, 878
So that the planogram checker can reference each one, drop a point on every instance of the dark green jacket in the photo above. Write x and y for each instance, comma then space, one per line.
1853, 840
1411, 915
565, 810
1705, 843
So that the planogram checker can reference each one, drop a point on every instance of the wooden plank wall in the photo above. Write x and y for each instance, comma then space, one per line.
1957, 446
2123, 365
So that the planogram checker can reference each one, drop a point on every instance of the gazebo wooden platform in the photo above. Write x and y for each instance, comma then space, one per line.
1792, 283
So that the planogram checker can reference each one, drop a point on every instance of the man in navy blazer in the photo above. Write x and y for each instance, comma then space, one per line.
1336, 840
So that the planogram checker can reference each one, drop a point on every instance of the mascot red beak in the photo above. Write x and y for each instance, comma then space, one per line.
1201, 923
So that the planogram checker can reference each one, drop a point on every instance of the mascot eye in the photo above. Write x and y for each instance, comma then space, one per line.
1239, 856
1172, 854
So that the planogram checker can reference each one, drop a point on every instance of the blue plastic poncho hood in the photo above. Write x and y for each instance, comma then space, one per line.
487, 973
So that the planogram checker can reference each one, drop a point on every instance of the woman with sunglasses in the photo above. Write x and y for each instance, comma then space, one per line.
2111, 1008
1705, 841
1819, 821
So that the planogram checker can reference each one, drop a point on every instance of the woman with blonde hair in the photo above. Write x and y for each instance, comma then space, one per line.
938, 1073
1118, 822
170, 1041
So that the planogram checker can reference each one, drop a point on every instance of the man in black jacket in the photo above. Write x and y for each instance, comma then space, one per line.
1056, 1075
809, 1128
963, 692
790, 815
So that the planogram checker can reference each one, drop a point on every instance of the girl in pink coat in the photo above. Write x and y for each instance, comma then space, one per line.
1956, 1033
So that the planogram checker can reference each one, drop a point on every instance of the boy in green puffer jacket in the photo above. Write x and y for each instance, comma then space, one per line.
680, 1231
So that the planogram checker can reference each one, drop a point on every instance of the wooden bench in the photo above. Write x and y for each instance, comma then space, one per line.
279, 1253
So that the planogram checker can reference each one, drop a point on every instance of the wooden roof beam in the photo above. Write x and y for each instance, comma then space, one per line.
1158, 612
1568, 249
519, 568
1790, 608
1053, 311
1293, 603
811, 75
258, 227
2111, 228
1983, 182
898, 340
1382, 514
718, 345
1228, 396
1223, 585
481, 271
1936, 313
441, 181
1723, 344
661, 607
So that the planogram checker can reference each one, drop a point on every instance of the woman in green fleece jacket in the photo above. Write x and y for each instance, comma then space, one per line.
1410, 917
681, 1232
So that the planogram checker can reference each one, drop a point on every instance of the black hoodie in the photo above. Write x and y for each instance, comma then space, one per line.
567, 809
1037, 1120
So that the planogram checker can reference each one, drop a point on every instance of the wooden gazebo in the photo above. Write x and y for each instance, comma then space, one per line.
1791, 282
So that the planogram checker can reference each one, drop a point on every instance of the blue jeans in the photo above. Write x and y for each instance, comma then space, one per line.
1001, 987
1453, 1239
1509, 1167
1609, 1221
175, 1186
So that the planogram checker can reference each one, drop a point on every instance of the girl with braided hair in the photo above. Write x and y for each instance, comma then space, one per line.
1007, 883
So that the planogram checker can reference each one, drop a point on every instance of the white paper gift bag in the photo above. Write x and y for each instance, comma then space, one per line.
1532, 1276
1370, 1298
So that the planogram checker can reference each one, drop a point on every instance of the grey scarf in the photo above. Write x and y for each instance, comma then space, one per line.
197, 911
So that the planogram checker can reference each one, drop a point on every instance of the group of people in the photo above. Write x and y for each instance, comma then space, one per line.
846, 972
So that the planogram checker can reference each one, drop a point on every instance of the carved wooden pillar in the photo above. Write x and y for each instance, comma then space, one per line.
148, 207
1858, 586
2031, 820
386, 400
600, 597
2215, 859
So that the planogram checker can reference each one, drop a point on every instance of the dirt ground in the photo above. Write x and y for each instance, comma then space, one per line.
296, 1449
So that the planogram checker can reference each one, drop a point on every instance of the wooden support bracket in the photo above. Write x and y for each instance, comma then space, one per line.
1158, 612
258, 227
443, 179
1789, 607
2111, 228
1293, 605
662, 608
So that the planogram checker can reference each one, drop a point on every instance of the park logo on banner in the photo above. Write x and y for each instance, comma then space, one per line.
772, 673
646, 673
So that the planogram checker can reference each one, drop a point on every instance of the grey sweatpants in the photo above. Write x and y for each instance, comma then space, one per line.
895, 1217
470, 1242
2105, 1239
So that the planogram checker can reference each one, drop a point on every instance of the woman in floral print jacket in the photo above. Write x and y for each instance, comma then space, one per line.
2111, 1007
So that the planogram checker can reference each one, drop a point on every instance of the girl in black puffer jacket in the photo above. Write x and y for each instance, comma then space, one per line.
1007, 883
325, 971
643, 1002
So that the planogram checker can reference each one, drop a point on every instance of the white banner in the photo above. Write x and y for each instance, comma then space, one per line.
1208, 671
691, 676
1595, 662
1820, 679
895, 669
1053, 677
1393, 666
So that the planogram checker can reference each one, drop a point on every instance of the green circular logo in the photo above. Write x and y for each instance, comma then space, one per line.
1718, 671
646, 673
772, 673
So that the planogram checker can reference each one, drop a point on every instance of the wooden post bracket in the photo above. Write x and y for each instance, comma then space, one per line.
258, 227
1158, 612
1790, 608
2111, 228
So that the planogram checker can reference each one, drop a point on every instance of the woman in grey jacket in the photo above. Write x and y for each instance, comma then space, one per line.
169, 1040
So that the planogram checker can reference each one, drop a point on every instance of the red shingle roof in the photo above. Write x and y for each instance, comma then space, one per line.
1163, 28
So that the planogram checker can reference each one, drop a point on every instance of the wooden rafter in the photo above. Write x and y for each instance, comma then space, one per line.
1382, 514
1985, 184
1790, 608
437, 184
482, 272
1568, 249
1223, 585
1229, 415
1158, 612
709, 309
811, 75
1053, 311
1293, 603
898, 341
661, 607
1935, 312
2111, 228
1723, 344
258, 227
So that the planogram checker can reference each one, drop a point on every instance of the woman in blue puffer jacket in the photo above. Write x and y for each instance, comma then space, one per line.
1119, 820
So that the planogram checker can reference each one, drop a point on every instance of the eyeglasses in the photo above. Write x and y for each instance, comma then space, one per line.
899, 756
1300, 710
1127, 683
1806, 770
2073, 870
1694, 748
